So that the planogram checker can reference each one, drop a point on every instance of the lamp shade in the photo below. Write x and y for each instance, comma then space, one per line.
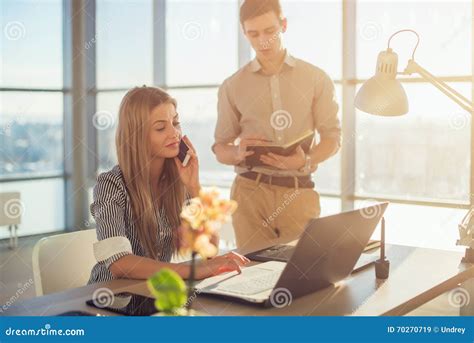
382, 94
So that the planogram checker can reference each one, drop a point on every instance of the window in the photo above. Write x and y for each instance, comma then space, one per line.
201, 41
420, 226
32, 137
433, 139
198, 112
420, 162
424, 154
31, 112
124, 43
315, 33
31, 48
444, 28
108, 104
42, 205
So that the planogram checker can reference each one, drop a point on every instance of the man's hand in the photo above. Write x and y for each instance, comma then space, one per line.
242, 152
292, 162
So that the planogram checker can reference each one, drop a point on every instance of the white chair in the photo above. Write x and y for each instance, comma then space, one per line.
11, 209
63, 261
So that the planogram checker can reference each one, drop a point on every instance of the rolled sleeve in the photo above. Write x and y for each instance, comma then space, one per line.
108, 210
111, 249
325, 109
228, 117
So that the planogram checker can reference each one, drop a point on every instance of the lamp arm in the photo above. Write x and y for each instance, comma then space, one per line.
454, 95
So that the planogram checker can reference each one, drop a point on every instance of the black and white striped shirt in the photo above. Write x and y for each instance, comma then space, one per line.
116, 233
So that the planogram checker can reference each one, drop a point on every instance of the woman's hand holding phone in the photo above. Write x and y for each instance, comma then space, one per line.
189, 173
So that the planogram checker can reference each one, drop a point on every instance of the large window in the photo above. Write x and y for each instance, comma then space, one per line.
445, 29
124, 55
425, 154
124, 43
420, 162
201, 41
315, 33
422, 155
31, 111
423, 158
201, 51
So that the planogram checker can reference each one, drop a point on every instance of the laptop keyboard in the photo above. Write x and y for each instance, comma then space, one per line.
252, 285
281, 252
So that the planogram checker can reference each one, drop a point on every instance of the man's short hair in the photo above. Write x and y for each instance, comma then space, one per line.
254, 8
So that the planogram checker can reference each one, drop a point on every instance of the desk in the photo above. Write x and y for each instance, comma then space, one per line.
417, 275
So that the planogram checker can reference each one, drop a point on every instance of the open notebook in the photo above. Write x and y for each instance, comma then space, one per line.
305, 141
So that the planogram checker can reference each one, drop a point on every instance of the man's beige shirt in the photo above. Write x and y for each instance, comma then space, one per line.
280, 107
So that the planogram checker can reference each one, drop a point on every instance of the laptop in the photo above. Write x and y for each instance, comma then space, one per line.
326, 253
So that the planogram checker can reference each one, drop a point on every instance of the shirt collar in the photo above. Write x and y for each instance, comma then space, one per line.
256, 66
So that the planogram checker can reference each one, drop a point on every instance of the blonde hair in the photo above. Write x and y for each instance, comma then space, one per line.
133, 153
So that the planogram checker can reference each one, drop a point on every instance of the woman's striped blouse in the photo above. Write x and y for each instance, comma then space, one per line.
116, 233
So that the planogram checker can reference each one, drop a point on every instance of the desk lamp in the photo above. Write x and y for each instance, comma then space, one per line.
383, 95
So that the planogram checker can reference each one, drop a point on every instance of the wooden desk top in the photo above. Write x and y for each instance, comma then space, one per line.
417, 275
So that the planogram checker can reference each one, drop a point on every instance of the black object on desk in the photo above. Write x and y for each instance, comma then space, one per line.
75, 313
125, 303
382, 265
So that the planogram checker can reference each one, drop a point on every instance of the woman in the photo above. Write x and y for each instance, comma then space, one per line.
137, 204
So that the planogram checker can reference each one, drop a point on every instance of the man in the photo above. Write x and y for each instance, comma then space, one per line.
274, 98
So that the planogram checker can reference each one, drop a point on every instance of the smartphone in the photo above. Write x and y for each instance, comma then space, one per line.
183, 155
125, 303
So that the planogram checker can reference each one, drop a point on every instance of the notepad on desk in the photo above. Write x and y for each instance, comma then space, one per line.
305, 141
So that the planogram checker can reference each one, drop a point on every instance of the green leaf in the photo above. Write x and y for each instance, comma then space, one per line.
169, 290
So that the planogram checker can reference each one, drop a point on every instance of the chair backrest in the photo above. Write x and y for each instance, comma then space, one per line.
63, 261
11, 208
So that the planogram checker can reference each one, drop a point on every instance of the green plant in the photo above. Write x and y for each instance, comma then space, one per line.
169, 290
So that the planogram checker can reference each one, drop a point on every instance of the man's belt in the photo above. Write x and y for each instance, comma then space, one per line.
283, 181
